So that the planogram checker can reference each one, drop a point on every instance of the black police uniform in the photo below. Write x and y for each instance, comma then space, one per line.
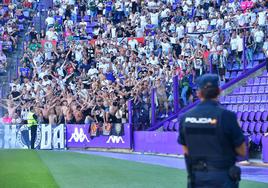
211, 134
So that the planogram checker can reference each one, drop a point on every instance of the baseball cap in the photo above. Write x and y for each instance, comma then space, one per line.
208, 81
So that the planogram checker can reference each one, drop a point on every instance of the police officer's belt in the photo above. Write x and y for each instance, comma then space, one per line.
203, 166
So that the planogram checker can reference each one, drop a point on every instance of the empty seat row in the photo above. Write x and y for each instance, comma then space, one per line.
258, 81
251, 90
241, 99
254, 127
171, 126
232, 74
247, 107
252, 116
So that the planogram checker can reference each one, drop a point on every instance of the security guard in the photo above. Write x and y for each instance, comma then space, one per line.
211, 140
32, 124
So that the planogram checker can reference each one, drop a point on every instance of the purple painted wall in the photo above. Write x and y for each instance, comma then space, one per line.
157, 142
265, 149
77, 136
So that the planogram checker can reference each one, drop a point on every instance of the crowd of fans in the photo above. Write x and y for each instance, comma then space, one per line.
9, 19
94, 56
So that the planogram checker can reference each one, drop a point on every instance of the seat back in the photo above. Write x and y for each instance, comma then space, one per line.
245, 116
251, 127
251, 116
258, 127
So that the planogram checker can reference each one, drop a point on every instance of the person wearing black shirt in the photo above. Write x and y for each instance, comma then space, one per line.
85, 66
211, 140
177, 49
249, 47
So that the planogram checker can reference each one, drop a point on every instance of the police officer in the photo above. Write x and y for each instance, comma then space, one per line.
211, 140
32, 124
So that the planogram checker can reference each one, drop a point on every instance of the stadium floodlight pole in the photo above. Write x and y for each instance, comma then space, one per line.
176, 94
153, 107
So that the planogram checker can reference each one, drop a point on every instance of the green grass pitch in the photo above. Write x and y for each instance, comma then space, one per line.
48, 169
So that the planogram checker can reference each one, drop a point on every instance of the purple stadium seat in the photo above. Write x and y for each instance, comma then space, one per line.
239, 99
257, 107
176, 126
250, 82
251, 116
229, 107
261, 89
233, 100
264, 98
171, 126
251, 127
233, 75
248, 90
252, 99
239, 115
258, 116
227, 100
263, 81
235, 108
222, 99
258, 99
240, 123
245, 116
245, 127
165, 126
239, 73
264, 116
240, 108
242, 90
245, 108
256, 138
266, 90
255, 89
227, 75
258, 127
257, 81
264, 127
251, 107
262, 107
236, 91
246, 99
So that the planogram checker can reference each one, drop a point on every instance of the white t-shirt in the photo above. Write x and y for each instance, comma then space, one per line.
50, 20
239, 42
143, 21
262, 18
259, 35
233, 44
133, 43
180, 31
153, 61
190, 27
154, 18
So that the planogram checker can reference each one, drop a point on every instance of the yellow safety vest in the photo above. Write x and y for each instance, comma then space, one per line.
30, 119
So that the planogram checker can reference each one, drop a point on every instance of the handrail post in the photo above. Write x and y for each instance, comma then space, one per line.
130, 115
176, 93
244, 53
210, 64
153, 107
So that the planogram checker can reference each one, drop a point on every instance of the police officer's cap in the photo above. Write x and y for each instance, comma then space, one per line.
208, 81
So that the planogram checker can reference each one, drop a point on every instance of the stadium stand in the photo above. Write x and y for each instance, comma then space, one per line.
83, 61
93, 56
